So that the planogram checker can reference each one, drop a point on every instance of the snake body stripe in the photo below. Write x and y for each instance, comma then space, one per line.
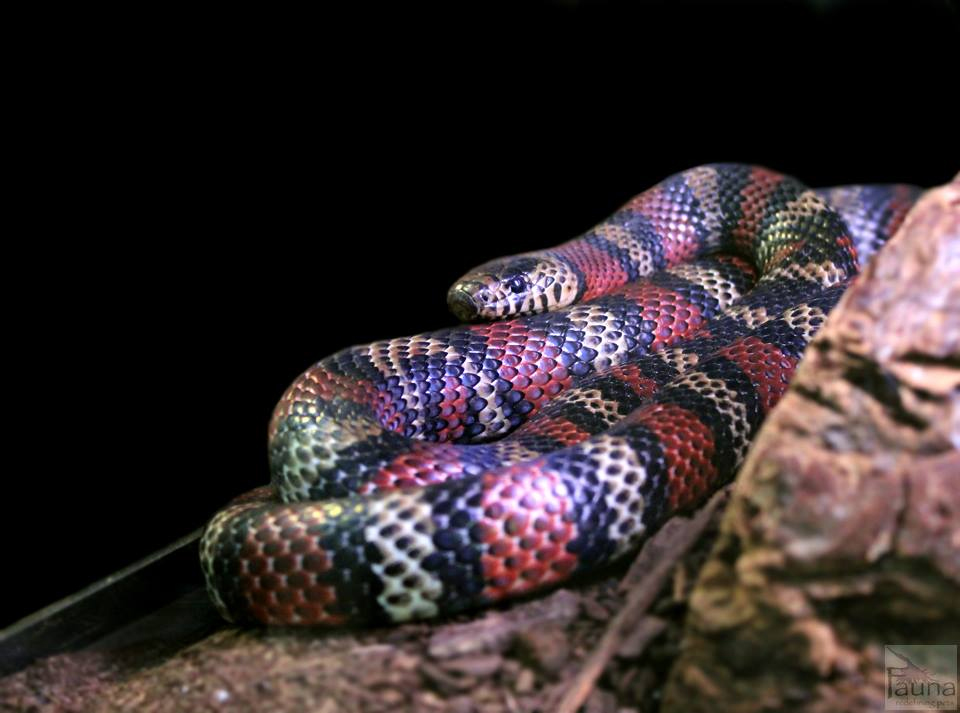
426, 475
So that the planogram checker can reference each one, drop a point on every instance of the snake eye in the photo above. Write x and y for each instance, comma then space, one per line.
517, 285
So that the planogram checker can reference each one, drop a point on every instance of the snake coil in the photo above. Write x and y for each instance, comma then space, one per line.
421, 476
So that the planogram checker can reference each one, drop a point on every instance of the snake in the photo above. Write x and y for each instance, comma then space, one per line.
591, 391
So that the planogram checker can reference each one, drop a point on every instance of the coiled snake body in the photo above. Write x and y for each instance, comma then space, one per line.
551, 443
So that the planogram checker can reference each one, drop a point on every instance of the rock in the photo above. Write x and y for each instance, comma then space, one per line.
546, 649
328, 706
495, 630
444, 681
476, 666
843, 533
526, 681
461, 704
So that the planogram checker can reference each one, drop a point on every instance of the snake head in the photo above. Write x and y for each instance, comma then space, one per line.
525, 284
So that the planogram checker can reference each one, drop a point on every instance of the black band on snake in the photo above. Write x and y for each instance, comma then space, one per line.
431, 474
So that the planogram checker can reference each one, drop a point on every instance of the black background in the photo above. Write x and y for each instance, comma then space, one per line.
221, 201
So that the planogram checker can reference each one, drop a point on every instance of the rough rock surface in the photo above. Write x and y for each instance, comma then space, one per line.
843, 533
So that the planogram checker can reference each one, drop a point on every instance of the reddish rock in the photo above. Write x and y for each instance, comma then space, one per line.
844, 530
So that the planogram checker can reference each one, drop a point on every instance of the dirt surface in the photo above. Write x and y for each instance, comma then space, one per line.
603, 647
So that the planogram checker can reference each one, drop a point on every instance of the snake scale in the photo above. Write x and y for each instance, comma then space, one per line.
622, 382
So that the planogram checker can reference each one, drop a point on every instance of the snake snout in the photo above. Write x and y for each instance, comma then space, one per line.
461, 301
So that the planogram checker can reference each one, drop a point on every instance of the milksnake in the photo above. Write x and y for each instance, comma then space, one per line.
427, 475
